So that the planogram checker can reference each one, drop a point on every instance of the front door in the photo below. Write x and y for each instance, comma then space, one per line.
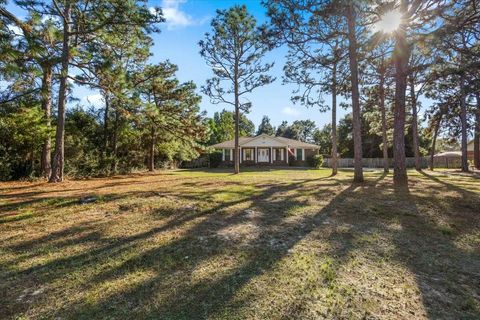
262, 155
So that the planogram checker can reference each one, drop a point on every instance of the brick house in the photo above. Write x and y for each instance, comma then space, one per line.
267, 150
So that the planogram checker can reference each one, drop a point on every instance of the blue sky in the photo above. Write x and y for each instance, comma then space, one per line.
186, 23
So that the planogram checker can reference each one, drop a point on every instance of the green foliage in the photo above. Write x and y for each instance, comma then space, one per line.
302, 130
222, 126
82, 139
22, 133
323, 138
215, 159
265, 127
315, 161
282, 129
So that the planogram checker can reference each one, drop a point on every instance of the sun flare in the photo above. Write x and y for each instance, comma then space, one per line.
389, 22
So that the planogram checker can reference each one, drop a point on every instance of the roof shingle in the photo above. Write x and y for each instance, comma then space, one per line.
286, 141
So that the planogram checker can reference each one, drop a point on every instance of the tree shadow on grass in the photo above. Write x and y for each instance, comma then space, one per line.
216, 220
187, 299
433, 248
210, 258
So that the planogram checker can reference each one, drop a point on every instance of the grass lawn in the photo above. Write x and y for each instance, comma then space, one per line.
277, 244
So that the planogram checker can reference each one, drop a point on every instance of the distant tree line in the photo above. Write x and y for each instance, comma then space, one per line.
376, 59
148, 117
381, 57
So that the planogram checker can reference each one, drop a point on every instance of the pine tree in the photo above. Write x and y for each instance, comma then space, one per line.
234, 53
322, 40
169, 108
266, 127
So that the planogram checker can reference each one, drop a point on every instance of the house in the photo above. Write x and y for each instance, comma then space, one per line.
267, 150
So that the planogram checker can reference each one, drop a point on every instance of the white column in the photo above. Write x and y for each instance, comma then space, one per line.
271, 155
303, 154
286, 153
281, 154
231, 155
240, 155
256, 155
223, 154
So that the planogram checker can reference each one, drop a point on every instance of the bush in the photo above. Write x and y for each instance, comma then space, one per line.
215, 159
315, 161
292, 161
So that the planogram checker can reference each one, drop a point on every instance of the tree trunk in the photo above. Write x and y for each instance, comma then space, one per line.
384, 117
434, 141
356, 116
151, 160
105, 128
115, 143
58, 159
476, 136
334, 121
401, 55
416, 148
236, 154
46, 93
463, 119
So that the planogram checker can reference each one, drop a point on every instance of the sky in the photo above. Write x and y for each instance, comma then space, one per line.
187, 21
186, 24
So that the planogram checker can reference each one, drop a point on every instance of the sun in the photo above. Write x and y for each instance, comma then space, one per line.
389, 22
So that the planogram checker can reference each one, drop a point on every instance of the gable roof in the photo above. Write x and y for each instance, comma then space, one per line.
279, 141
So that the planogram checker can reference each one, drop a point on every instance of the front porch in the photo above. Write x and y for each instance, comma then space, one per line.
263, 155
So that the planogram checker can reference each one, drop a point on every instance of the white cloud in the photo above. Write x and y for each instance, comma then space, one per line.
290, 111
175, 17
93, 99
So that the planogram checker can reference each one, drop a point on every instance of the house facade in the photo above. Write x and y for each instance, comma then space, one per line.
267, 150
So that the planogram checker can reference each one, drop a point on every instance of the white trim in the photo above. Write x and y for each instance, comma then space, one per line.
263, 135
256, 155
223, 154
240, 153
231, 155
271, 155
274, 156
286, 153
281, 154
303, 154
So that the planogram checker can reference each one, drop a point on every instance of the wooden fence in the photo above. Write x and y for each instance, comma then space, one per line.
374, 162
440, 162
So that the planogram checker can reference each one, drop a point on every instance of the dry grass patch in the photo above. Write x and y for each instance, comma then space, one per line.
271, 244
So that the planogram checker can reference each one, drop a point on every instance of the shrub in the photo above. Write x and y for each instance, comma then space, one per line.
315, 161
215, 159
292, 161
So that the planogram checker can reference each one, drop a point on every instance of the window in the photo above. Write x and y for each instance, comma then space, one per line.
299, 154
226, 153
247, 154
